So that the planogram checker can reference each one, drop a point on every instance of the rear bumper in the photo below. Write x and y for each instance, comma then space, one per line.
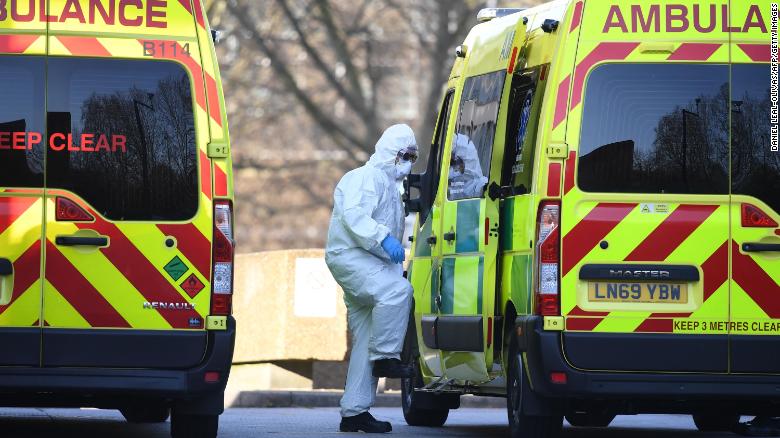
28, 384
544, 355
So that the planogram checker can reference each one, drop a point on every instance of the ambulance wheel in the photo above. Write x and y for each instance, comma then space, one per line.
522, 425
413, 415
194, 426
589, 420
146, 414
715, 422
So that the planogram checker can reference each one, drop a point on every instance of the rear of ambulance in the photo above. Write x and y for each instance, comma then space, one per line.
664, 241
120, 140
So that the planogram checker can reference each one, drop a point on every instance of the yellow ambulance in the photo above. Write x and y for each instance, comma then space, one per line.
597, 226
116, 223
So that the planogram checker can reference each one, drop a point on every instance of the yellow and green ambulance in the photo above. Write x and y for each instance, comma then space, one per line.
116, 237
621, 253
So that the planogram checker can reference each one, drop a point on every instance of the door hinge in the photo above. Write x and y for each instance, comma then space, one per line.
557, 151
553, 323
219, 150
216, 322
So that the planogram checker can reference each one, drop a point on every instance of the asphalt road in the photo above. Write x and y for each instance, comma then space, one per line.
313, 423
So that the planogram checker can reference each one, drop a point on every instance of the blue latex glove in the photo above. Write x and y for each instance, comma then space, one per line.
394, 249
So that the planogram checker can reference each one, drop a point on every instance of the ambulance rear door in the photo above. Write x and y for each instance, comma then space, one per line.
129, 199
755, 187
22, 124
645, 210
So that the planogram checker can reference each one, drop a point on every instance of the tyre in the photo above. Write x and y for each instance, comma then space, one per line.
715, 422
522, 425
194, 426
589, 420
414, 415
410, 401
146, 414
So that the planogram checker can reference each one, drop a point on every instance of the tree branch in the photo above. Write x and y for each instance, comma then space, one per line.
339, 45
354, 101
329, 126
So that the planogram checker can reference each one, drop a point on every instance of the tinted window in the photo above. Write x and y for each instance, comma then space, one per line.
755, 168
656, 129
21, 121
476, 128
525, 102
122, 136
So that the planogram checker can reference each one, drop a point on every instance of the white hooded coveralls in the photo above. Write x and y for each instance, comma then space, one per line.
367, 208
472, 183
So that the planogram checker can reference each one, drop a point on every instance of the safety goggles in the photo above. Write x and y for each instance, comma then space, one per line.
408, 154
456, 161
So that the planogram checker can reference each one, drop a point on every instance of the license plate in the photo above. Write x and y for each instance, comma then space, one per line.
613, 292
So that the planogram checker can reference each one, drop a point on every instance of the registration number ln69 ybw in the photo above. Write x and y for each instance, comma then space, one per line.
636, 292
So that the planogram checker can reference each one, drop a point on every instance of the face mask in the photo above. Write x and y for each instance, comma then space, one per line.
455, 173
402, 169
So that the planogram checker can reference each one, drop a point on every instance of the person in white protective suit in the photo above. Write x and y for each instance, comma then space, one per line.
364, 254
466, 178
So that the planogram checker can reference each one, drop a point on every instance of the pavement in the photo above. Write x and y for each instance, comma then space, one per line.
321, 422
328, 399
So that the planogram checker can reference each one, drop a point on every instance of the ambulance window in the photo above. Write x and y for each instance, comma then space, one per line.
755, 168
22, 121
432, 169
122, 136
525, 102
472, 146
655, 128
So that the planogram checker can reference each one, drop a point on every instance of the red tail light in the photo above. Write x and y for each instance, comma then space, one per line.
754, 217
548, 257
223, 252
69, 211
558, 378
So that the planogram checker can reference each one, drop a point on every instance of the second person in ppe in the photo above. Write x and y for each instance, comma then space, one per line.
364, 254
466, 178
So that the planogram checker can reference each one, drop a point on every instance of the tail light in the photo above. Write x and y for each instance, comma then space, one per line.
548, 257
69, 211
224, 250
754, 217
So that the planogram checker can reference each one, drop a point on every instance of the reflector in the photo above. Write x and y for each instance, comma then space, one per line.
69, 211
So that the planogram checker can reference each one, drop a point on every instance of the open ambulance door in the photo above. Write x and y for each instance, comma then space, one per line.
469, 235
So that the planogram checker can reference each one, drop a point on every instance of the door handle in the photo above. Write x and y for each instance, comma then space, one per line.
6, 281
81, 241
431, 240
449, 237
761, 247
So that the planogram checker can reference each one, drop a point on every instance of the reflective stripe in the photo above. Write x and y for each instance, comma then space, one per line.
578, 242
571, 167
135, 266
192, 244
694, 52
220, 181
81, 46
467, 226
74, 288
448, 286
16, 43
671, 233
756, 282
27, 272
602, 52
757, 52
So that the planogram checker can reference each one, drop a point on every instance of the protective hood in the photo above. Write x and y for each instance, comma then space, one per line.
394, 139
467, 151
